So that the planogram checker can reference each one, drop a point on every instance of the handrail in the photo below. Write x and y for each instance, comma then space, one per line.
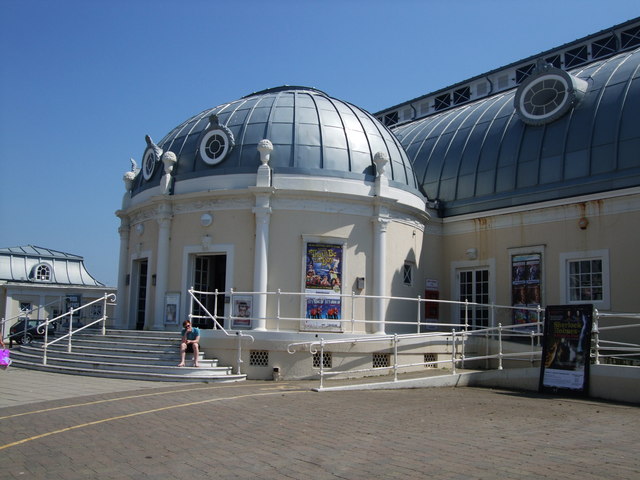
239, 334
318, 346
25, 314
349, 317
107, 297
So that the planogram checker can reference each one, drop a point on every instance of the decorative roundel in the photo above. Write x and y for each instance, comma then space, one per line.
148, 163
547, 95
216, 142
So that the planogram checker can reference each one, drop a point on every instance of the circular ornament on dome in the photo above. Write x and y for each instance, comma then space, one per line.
217, 141
148, 163
547, 95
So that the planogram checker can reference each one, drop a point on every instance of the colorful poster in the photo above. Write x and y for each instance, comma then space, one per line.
323, 286
566, 348
324, 267
242, 306
323, 313
525, 287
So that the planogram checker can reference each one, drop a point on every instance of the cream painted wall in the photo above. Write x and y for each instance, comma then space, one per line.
555, 231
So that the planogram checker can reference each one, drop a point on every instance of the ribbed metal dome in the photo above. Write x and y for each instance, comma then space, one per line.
482, 155
311, 133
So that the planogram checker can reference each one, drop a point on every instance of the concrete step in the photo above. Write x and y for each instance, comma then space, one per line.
133, 354
187, 374
204, 369
111, 356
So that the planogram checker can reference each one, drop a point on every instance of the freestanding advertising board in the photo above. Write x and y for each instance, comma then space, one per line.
566, 349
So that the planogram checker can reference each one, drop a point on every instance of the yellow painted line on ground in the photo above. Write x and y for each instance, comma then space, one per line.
129, 415
117, 399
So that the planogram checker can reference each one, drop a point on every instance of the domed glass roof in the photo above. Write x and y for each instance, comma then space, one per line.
482, 155
311, 133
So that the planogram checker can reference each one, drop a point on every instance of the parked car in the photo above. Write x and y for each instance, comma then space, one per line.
34, 329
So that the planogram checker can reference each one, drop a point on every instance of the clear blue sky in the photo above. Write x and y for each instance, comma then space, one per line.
82, 82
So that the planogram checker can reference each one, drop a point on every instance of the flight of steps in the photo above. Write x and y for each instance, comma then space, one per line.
128, 354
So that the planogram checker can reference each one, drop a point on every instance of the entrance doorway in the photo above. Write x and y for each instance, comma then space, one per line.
473, 286
210, 272
141, 269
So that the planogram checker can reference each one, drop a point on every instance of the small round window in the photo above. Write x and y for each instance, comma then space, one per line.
148, 163
547, 95
214, 146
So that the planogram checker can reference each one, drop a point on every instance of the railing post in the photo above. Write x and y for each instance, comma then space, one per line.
486, 348
463, 347
191, 294
239, 362
104, 316
453, 351
596, 337
419, 309
70, 330
321, 363
46, 341
353, 312
500, 346
215, 309
539, 315
395, 357
278, 300
466, 314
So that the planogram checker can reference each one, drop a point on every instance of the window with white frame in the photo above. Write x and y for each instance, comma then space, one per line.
585, 280
585, 277
43, 273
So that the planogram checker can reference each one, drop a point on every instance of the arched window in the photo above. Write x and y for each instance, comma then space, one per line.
43, 273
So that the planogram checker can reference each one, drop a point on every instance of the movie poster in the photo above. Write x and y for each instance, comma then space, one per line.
566, 348
525, 287
323, 313
242, 310
323, 286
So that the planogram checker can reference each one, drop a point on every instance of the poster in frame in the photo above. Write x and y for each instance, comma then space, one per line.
171, 308
525, 287
566, 349
242, 311
322, 307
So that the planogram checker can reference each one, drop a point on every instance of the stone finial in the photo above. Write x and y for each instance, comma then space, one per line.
265, 147
169, 159
156, 149
381, 159
128, 178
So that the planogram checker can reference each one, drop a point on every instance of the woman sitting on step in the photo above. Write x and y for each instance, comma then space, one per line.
189, 343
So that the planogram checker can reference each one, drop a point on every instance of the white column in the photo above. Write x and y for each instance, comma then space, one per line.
260, 269
262, 211
162, 265
121, 320
380, 221
379, 273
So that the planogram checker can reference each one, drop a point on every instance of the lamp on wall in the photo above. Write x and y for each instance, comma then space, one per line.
472, 253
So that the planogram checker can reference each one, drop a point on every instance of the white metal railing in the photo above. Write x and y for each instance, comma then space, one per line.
457, 340
278, 300
213, 317
610, 350
108, 297
26, 314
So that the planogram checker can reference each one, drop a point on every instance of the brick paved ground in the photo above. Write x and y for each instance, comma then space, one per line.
284, 430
